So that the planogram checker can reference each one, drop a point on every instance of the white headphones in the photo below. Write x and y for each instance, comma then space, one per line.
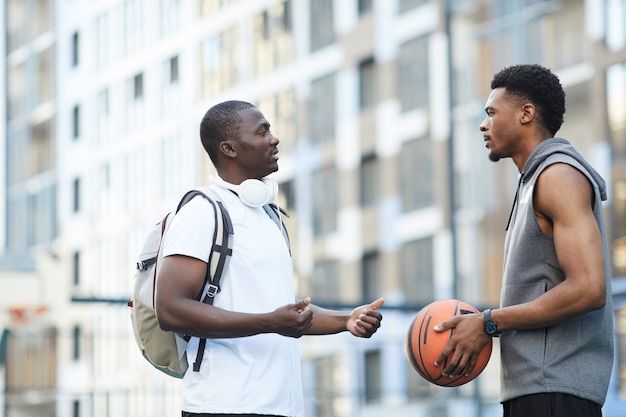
253, 193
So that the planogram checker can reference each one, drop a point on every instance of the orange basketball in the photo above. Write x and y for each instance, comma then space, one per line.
424, 344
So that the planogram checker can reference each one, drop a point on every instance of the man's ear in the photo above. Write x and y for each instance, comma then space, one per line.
227, 149
528, 113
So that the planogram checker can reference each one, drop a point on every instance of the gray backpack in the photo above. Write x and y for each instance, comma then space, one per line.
165, 350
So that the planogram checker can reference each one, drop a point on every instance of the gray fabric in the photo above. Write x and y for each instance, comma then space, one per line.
576, 356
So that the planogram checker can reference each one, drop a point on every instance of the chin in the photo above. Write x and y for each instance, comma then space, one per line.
494, 158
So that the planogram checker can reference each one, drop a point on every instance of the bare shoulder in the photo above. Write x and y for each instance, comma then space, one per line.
562, 189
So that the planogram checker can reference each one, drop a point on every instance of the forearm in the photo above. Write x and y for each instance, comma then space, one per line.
203, 320
561, 303
327, 321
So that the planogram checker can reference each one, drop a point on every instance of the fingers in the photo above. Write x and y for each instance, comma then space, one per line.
377, 304
303, 304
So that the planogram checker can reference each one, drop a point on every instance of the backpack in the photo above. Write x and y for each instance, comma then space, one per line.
165, 350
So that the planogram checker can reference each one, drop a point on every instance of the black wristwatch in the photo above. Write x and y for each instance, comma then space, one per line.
491, 327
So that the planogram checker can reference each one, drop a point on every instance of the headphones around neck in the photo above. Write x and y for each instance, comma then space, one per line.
253, 193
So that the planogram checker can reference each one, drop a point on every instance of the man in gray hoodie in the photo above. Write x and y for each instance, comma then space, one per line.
555, 319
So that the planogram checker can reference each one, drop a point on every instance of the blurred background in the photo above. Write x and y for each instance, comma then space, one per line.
382, 168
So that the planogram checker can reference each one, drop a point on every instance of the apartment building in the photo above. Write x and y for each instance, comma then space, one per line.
377, 106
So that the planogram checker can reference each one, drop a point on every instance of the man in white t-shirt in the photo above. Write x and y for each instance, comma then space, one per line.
251, 363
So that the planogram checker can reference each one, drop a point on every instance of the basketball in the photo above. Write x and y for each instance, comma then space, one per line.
423, 344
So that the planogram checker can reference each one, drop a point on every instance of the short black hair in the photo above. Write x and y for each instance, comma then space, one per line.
221, 122
538, 85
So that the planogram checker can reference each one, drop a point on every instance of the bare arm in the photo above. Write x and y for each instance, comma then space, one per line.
563, 203
363, 321
180, 279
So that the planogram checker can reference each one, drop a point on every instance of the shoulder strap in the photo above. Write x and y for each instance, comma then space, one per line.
272, 210
221, 251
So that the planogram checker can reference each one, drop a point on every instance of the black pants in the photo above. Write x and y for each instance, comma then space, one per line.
551, 405
186, 414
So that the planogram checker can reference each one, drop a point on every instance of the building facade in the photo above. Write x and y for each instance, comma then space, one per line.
376, 105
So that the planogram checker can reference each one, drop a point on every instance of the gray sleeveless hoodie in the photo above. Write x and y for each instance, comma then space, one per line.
573, 357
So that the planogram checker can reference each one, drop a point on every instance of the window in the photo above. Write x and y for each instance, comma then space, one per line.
101, 130
272, 39
367, 83
615, 24
324, 285
616, 109
219, 60
417, 174
76, 268
174, 70
170, 16
417, 273
371, 277
364, 6
373, 376
76, 122
413, 77
322, 26
369, 179
325, 201
75, 408
618, 231
620, 330
138, 86
280, 111
326, 387
76, 335
322, 109
75, 49
76, 195
406, 5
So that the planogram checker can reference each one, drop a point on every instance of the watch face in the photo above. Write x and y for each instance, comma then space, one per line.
491, 328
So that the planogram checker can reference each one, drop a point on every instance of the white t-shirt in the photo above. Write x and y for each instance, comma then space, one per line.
258, 374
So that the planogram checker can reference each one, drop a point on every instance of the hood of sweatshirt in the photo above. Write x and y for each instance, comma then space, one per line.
558, 145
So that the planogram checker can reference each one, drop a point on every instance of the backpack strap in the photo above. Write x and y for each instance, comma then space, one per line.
221, 250
272, 210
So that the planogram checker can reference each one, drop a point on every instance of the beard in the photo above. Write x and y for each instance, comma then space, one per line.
494, 157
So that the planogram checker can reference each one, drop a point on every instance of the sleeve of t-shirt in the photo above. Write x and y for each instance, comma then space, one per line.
191, 230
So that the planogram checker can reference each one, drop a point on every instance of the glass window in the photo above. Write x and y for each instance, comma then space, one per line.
75, 49
326, 386
324, 283
76, 268
413, 77
170, 16
406, 5
322, 109
616, 109
219, 62
615, 24
373, 376
133, 25
45, 76
102, 38
76, 122
325, 201
272, 38
367, 83
322, 26
280, 111
76, 190
370, 268
364, 6
417, 271
369, 180
618, 231
620, 329
417, 174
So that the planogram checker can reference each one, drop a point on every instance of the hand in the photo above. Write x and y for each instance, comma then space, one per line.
293, 320
465, 344
365, 320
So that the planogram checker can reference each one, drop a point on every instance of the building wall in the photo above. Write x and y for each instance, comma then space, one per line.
381, 169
